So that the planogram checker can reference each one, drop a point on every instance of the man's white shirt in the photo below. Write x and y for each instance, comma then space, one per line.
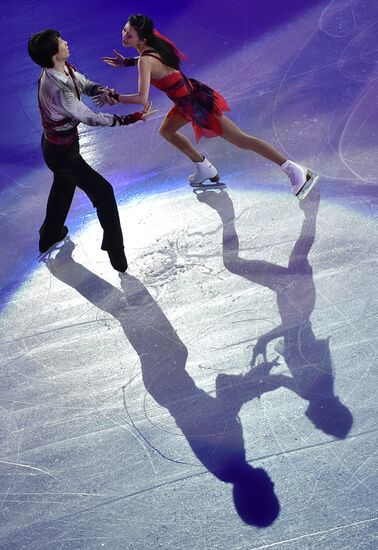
59, 101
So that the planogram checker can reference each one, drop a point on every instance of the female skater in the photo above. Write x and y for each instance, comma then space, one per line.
195, 102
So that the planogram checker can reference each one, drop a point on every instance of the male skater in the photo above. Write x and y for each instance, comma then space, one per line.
59, 90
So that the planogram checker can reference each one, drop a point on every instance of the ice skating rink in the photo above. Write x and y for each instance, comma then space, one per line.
221, 394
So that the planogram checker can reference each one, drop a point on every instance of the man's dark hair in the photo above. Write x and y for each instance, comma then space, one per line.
42, 46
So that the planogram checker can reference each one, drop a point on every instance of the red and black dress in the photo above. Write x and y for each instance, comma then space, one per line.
195, 101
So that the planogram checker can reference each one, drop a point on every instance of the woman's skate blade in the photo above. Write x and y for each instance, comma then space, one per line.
307, 188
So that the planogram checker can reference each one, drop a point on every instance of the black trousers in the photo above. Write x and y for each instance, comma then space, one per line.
71, 171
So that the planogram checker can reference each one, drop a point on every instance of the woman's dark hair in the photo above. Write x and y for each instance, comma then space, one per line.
42, 46
145, 27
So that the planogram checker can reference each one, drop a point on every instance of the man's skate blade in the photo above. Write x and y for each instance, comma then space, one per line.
307, 188
53, 248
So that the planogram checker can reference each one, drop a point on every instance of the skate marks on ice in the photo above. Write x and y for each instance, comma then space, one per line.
307, 358
209, 424
326, 100
288, 469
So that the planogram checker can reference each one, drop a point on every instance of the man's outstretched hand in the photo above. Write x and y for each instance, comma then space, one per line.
123, 120
148, 111
105, 97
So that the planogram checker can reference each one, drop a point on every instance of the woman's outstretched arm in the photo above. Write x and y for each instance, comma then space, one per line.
144, 81
120, 61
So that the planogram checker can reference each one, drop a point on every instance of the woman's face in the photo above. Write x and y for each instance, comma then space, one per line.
130, 38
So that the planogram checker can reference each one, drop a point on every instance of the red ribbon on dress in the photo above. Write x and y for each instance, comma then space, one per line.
181, 55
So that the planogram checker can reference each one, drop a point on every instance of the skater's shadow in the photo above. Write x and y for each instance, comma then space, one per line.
210, 425
307, 358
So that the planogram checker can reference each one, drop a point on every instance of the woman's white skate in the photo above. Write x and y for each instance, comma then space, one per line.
205, 175
301, 178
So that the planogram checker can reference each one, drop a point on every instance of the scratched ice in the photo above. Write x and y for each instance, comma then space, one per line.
158, 409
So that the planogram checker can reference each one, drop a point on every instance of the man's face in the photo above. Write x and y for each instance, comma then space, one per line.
63, 50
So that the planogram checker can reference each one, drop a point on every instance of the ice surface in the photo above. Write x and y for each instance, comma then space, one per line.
156, 409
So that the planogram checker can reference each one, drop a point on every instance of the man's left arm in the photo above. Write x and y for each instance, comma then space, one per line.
88, 87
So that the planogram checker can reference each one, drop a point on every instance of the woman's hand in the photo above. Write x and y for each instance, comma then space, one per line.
148, 111
117, 61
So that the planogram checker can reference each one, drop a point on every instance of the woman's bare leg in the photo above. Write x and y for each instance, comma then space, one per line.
168, 130
234, 135
302, 180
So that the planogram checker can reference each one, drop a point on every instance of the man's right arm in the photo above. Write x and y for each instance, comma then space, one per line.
75, 109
